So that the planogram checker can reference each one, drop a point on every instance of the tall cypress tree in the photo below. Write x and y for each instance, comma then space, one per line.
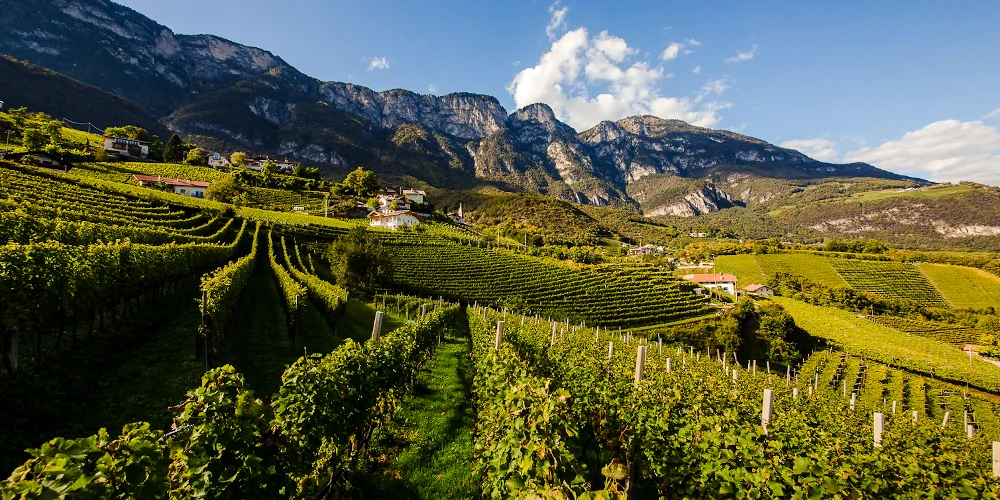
174, 150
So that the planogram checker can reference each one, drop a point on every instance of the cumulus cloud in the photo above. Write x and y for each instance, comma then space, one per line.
577, 66
819, 148
994, 114
696, 70
677, 48
557, 21
378, 63
672, 51
431, 89
947, 150
744, 56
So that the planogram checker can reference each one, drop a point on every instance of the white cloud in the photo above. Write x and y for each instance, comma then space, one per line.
994, 114
378, 63
577, 66
744, 56
672, 51
819, 148
431, 89
557, 21
515, 63
947, 150
677, 48
696, 70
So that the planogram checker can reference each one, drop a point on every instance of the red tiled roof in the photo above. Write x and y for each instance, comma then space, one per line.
711, 278
170, 181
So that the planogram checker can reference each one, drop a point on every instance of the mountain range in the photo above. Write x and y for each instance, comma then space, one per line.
227, 97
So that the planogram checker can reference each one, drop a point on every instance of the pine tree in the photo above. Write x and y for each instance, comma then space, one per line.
174, 151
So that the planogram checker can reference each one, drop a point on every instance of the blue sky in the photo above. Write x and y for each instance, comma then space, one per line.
914, 87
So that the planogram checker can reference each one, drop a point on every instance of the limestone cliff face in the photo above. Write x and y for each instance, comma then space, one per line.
699, 202
463, 115
115, 48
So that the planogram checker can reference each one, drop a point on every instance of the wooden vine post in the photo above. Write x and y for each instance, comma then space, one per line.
640, 363
377, 327
765, 414
879, 427
611, 349
996, 458
499, 339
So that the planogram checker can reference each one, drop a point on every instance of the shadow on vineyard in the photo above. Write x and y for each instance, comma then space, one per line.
133, 370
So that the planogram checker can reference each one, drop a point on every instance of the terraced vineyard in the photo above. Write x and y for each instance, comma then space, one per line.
281, 200
758, 268
123, 171
942, 332
888, 280
964, 286
860, 337
606, 295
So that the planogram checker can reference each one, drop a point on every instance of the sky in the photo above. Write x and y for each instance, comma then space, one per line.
910, 87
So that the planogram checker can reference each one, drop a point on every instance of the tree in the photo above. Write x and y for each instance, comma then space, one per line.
394, 205
361, 183
196, 157
33, 139
224, 190
373, 203
238, 159
19, 116
269, 168
53, 130
360, 262
174, 151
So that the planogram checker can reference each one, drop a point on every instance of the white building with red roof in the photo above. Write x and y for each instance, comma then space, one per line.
394, 220
185, 187
722, 281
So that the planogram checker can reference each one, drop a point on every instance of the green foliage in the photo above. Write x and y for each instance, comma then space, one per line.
360, 262
174, 151
196, 157
360, 184
33, 139
224, 190
238, 159
133, 465
857, 246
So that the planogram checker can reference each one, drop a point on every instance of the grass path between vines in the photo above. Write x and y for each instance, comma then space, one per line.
427, 451
257, 342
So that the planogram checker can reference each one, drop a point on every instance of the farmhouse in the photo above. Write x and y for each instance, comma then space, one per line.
724, 282
394, 220
180, 186
126, 147
646, 249
39, 159
760, 290
386, 199
414, 195
257, 163
216, 160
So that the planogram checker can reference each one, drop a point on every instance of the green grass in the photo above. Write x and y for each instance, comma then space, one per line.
861, 337
928, 192
750, 269
744, 267
812, 267
427, 452
964, 286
